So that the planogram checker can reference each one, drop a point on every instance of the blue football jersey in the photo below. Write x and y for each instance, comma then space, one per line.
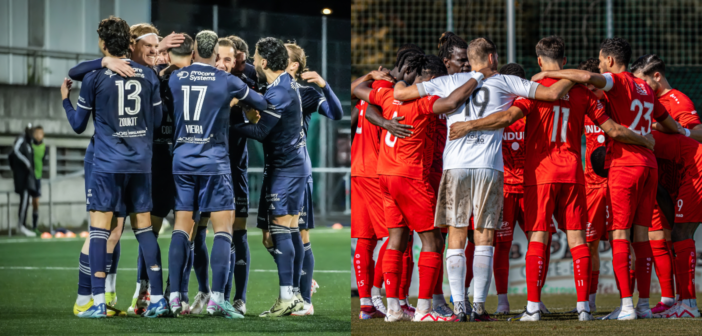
164, 133
126, 111
201, 96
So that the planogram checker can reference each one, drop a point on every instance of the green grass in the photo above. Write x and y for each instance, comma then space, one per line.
41, 301
559, 323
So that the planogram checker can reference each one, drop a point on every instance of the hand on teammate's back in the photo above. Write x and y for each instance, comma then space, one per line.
252, 115
381, 75
118, 65
651, 141
459, 129
313, 77
66, 88
539, 76
395, 128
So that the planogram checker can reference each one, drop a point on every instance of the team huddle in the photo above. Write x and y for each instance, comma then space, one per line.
172, 115
460, 157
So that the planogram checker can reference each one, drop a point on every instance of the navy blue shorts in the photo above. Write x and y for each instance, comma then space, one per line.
204, 193
119, 192
163, 186
280, 195
306, 220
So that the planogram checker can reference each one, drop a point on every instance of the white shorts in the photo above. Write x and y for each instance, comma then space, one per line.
470, 191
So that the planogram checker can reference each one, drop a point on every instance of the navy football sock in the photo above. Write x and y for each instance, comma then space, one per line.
299, 256
149, 247
230, 276
186, 273
220, 259
97, 257
115, 258
201, 261
84, 287
307, 272
35, 219
141, 267
284, 255
108, 262
178, 254
241, 265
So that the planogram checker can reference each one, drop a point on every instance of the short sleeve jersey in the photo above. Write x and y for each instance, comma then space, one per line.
554, 135
413, 156
631, 103
478, 149
595, 138
681, 108
123, 111
365, 146
513, 155
679, 159
201, 97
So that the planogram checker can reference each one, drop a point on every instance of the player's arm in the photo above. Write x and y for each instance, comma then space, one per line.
624, 135
261, 129
77, 118
404, 93
330, 106
119, 65
393, 126
460, 95
239, 90
553, 92
492, 122
577, 76
371, 76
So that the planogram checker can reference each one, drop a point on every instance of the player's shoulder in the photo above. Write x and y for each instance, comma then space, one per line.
679, 97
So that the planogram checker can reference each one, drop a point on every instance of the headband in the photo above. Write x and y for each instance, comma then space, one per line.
145, 35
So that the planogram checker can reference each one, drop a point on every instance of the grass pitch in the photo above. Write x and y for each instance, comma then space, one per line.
559, 323
39, 280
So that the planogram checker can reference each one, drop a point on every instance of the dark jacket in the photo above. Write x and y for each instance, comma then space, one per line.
22, 164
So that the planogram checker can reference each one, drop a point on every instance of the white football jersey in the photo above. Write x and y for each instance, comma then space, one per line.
478, 149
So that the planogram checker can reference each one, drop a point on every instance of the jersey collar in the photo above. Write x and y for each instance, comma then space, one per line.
199, 63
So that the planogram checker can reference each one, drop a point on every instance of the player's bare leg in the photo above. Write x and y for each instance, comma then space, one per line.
664, 269
456, 269
685, 257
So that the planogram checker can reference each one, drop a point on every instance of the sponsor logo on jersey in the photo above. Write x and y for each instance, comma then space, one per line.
641, 89
109, 72
182, 74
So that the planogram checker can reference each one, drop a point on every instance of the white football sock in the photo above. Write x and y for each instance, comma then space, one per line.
98, 299
286, 293
532, 307
456, 272
156, 298
423, 305
394, 304
296, 290
583, 305
375, 291
403, 302
82, 300
592, 299
366, 302
217, 296
627, 302
173, 296
667, 301
438, 300
642, 302
110, 282
482, 272
138, 289
692, 303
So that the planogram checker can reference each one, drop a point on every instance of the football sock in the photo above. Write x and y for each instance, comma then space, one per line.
201, 261
35, 219
669, 243
470, 254
185, 281
621, 262
403, 302
97, 259
627, 302
664, 267
241, 264
150, 248
378, 272
366, 302
429, 265
308, 272
407, 268
394, 304
685, 260
583, 305
109, 279
219, 261
230, 276
363, 258
501, 267
216, 296
535, 260
438, 300
284, 258
178, 253
456, 271
582, 268
547, 260
423, 305
299, 256
141, 266
482, 270
594, 281
84, 287
644, 266
532, 306
502, 300
392, 266
643, 302
112, 272
632, 280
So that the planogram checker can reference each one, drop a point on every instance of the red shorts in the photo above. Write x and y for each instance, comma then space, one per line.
688, 205
408, 203
597, 213
632, 192
658, 222
564, 201
512, 212
368, 217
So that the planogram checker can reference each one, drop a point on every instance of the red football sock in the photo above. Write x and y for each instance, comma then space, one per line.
664, 267
535, 267
407, 267
363, 264
685, 260
501, 266
470, 252
644, 265
429, 265
378, 272
392, 266
594, 281
439, 287
547, 261
582, 268
621, 262
669, 243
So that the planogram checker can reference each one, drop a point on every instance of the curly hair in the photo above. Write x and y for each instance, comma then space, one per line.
297, 55
426, 65
115, 33
404, 50
239, 44
274, 52
648, 65
206, 41
448, 42
513, 69
618, 48
590, 64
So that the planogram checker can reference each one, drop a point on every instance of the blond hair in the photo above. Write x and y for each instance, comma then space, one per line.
140, 29
297, 54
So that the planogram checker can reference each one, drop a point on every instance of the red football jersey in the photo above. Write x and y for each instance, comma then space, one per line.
681, 108
679, 158
631, 103
365, 146
554, 135
513, 156
441, 135
595, 138
413, 156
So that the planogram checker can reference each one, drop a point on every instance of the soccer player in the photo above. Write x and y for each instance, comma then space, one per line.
473, 174
201, 96
287, 166
632, 169
124, 123
453, 52
408, 198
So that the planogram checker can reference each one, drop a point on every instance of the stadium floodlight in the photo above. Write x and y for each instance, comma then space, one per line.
326, 11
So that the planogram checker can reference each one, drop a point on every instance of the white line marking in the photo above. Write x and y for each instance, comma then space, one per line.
33, 268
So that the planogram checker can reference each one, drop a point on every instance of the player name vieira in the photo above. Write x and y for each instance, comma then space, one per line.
196, 129
202, 75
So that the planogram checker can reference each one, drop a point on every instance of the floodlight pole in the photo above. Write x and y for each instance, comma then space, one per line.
510, 32
449, 15
610, 19
323, 127
215, 19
